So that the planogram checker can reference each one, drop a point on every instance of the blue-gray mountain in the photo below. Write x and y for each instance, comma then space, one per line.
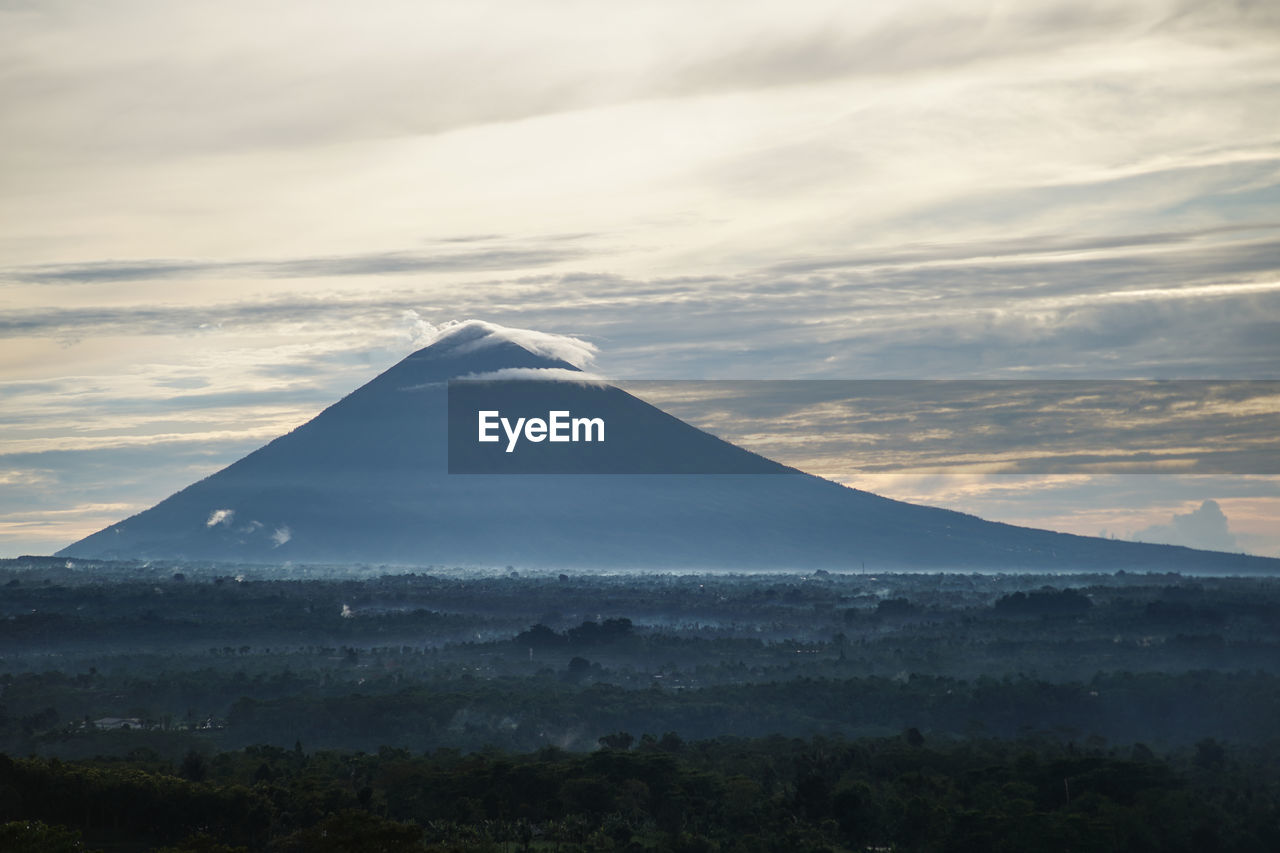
367, 481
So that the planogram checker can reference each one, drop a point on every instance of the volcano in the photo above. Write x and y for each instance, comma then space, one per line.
368, 480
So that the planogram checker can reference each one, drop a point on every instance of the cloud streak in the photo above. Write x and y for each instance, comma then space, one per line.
848, 429
1097, 308
369, 264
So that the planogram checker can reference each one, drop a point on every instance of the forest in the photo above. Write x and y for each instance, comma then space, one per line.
212, 707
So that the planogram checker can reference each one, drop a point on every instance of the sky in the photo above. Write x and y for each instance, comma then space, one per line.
220, 217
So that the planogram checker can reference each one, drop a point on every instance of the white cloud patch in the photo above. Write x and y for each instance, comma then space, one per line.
467, 336
220, 516
419, 330
25, 478
281, 535
540, 374
1204, 527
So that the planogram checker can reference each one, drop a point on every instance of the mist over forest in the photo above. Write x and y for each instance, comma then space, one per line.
443, 708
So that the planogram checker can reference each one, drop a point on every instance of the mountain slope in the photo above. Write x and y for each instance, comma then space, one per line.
367, 480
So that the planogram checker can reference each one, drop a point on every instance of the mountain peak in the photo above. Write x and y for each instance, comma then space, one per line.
458, 338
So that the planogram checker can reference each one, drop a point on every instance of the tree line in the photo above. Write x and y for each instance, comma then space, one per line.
906, 793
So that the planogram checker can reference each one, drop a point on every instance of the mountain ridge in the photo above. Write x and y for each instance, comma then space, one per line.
366, 480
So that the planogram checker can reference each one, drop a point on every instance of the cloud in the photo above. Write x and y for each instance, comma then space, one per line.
1201, 302
919, 38
420, 331
194, 79
1086, 504
30, 530
851, 428
538, 374
1204, 527
220, 516
460, 337
368, 264
1036, 251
